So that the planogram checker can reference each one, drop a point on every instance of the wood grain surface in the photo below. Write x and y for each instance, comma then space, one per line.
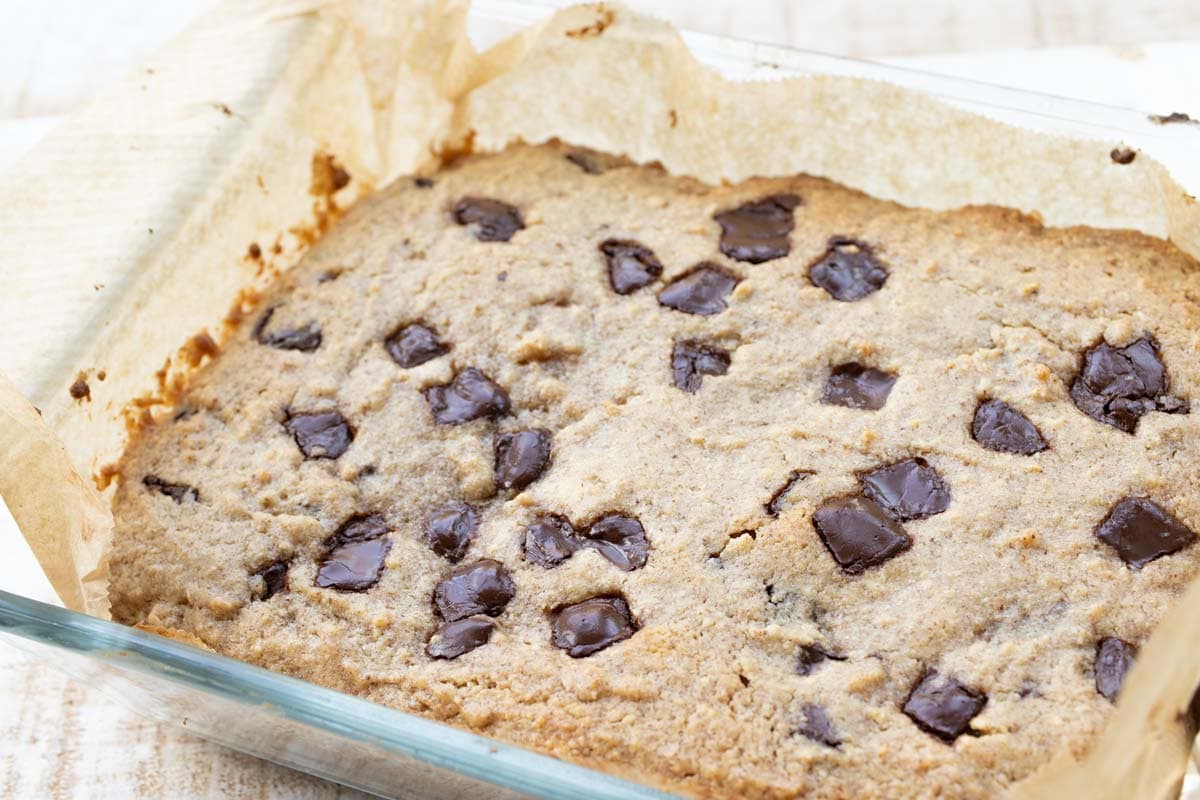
60, 739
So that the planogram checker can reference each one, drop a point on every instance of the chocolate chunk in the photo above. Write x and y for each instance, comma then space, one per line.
360, 528
449, 530
274, 578
631, 265
490, 220
815, 725
811, 655
858, 534
909, 489
592, 625
943, 706
1114, 657
522, 457
701, 290
1140, 531
469, 396
176, 491
620, 539
775, 504
1000, 427
849, 271
304, 339
692, 360
1122, 155
1120, 385
855, 386
758, 231
414, 344
423, 183
549, 541
353, 565
79, 390
320, 434
453, 639
481, 587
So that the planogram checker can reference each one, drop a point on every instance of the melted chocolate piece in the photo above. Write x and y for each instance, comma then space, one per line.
1140, 531
815, 725
304, 339
353, 565
481, 587
471, 395
549, 541
701, 290
855, 386
849, 271
811, 655
631, 265
176, 491
453, 639
858, 534
943, 707
1120, 385
758, 231
620, 539
360, 528
274, 577
909, 489
1114, 657
1000, 427
449, 530
592, 625
1122, 155
490, 220
320, 434
775, 505
522, 457
692, 360
414, 344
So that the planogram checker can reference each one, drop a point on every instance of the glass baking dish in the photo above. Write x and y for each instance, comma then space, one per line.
399, 755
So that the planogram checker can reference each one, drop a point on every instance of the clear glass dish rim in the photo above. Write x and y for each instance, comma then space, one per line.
441, 745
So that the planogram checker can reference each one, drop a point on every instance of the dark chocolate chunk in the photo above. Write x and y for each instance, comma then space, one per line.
1122, 155
79, 390
522, 457
549, 541
1114, 657
1120, 385
360, 528
1140, 531
701, 290
909, 489
943, 706
423, 183
353, 565
811, 655
304, 339
849, 271
274, 578
775, 504
619, 538
453, 639
815, 725
692, 360
631, 265
320, 434
858, 534
592, 625
449, 530
414, 344
855, 386
758, 231
490, 220
481, 587
176, 491
1000, 427
469, 396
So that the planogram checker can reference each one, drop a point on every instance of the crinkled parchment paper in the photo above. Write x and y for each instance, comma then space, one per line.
136, 233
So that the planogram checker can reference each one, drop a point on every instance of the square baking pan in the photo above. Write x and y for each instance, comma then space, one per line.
399, 755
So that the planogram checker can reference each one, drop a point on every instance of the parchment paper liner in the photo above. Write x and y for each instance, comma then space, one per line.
127, 232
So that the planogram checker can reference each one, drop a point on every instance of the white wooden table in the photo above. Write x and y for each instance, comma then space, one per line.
61, 740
